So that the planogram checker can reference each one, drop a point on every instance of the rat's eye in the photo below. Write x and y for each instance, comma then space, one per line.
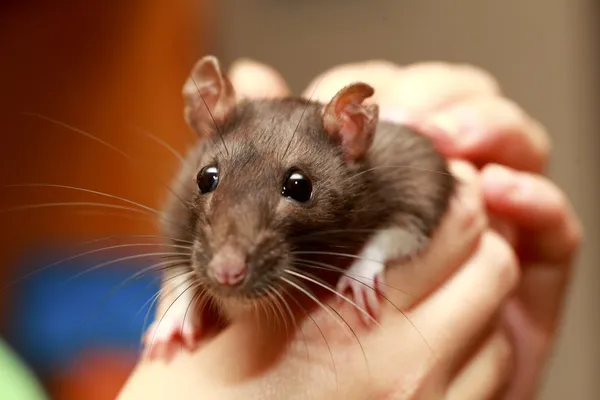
297, 186
208, 178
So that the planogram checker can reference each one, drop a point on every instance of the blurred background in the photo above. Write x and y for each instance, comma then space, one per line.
115, 69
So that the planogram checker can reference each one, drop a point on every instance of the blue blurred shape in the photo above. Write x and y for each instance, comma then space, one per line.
59, 312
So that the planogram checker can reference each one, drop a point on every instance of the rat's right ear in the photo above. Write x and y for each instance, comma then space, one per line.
350, 121
209, 95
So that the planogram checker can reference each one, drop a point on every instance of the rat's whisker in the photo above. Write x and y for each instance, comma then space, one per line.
271, 292
295, 324
307, 293
159, 266
106, 238
324, 266
141, 217
283, 304
80, 189
397, 167
330, 253
26, 207
131, 159
151, 210
316, 281
118, 260
286, 312
301, 118
211, 117
328, 267
190, 286
164, 144
270, 311
334, 231
198, 292
132, 278
120, 246
330, 310
152, 300
276, 308
305, 311
392, 304
162, 291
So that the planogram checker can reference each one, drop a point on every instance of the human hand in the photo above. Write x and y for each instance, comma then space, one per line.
492, 357
414, 354
462, 109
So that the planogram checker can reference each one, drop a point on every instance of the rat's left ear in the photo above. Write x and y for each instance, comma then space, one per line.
209, 95
350, 121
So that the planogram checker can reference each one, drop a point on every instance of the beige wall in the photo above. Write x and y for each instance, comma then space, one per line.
543, 53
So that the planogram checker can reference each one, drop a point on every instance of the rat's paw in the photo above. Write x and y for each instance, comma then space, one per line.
364, 291
171, 332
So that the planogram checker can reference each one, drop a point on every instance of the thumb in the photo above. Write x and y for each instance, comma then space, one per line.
255, 80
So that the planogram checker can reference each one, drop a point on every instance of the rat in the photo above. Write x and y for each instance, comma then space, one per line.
279, 185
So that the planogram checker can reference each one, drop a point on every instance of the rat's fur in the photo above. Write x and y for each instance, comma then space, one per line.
379, 191
402, 182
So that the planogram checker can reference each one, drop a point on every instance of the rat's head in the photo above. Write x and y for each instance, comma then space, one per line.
265, 176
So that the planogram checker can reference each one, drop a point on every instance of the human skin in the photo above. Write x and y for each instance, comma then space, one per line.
482, 317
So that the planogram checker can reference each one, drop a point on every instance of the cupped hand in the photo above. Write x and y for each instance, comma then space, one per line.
446, 344
440, 310
464, 111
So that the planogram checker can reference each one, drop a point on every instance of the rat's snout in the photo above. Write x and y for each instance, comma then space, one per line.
228, 267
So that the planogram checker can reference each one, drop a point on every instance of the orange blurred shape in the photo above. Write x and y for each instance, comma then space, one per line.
97, 375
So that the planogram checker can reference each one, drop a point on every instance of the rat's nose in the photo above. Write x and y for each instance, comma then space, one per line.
230, 274
228, 266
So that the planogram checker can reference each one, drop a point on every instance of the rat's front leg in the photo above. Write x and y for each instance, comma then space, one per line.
179, 322
363, 279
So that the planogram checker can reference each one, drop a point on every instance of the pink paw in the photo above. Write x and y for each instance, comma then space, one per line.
165, 335
364, 293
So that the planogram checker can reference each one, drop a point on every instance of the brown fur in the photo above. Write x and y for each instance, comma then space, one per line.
401, 180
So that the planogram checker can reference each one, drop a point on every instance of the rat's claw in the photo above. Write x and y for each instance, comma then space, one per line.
364, 294
170, 332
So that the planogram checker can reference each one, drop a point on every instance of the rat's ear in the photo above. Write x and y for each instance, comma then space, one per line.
350, 121
209, 95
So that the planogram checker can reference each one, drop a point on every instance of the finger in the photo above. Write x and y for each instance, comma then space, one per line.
456, 314
489, 129
453, 242
425, 87
486, 373
401, 91
550, 231
376, 73
255, 80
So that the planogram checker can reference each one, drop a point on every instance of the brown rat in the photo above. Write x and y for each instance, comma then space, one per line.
280, 185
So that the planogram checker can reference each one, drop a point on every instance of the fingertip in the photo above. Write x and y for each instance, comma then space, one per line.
532, 199
462, 170
252, 79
